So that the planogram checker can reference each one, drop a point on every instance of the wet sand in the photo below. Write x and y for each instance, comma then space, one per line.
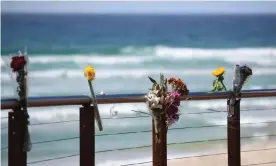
248, 157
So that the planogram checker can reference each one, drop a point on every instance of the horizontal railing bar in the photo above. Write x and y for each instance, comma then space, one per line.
10, 103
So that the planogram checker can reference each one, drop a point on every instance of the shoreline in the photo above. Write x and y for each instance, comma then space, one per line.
262, 151
213, 154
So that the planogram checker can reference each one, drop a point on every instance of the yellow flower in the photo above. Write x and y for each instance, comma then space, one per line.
89, 73
219, 71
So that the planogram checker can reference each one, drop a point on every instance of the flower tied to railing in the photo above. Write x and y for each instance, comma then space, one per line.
160, 102
178, 85
242, 74
172, 100
218, 84
90, 74
19, 67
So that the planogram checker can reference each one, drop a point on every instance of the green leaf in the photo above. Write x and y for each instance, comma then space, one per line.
152, 80
158, 87
214, 83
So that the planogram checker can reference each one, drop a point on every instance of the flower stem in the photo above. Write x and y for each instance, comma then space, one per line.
223, 86
97, 114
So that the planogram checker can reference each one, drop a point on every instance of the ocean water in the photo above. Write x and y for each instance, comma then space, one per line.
124, 50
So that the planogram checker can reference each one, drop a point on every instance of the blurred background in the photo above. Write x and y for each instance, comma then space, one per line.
126, 42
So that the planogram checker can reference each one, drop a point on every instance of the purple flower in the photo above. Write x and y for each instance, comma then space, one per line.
245, 72
176, 102
175, 117
242, 67
172, 119
172, 110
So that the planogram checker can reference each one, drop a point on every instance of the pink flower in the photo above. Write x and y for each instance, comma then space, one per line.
175, 94
172, 102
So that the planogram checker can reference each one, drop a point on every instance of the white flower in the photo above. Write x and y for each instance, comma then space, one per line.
153, 100
162, 99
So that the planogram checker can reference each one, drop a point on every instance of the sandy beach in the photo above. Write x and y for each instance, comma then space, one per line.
252, 154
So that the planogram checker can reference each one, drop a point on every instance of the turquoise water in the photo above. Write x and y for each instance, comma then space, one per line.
125, 50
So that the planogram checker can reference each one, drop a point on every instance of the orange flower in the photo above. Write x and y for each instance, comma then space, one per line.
171, 80
178, 82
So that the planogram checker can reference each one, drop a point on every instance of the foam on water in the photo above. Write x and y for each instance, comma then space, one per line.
133, 55
245, 120
261, 56
113, 162
92, 58
72, 112
261, 136
256, 87
213, 104
129, 73
146, 160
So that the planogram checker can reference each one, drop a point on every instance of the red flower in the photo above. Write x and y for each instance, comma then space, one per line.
17, 63
170, 80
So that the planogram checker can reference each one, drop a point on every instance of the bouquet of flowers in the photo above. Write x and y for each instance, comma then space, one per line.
161, 102
19, 67
242, 74
218, 84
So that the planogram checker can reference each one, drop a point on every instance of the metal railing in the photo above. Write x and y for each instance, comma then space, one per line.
10, 103
87, 131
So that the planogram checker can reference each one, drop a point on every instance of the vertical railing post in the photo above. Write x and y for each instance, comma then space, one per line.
159, 151
87, 136
242, 73
233, 132
17, 123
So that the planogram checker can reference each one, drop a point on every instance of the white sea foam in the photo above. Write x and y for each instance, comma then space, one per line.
129, 73
220, 105
65, 113
86, 59
144, 161
245, 121
261, 135
261, 56
132, 55
92, 59
256, 87
113, 162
